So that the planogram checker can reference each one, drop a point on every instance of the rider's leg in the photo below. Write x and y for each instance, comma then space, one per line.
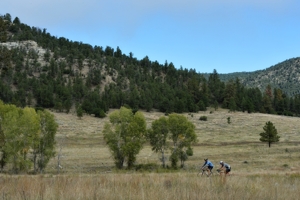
227, 171
210, 170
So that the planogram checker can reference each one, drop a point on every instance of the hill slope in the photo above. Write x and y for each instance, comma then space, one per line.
284, 75
41, 70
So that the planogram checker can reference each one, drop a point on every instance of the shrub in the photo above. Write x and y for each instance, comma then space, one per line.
39, 108
228, 120
203, 118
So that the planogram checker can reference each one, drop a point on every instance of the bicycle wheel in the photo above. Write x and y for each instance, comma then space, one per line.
201, 172
205, 172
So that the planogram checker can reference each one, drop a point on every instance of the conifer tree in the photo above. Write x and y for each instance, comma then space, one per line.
270, 134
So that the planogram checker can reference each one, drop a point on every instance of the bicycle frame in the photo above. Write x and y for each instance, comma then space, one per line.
205, 170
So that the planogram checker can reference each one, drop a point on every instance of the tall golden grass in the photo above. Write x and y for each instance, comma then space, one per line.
150, 186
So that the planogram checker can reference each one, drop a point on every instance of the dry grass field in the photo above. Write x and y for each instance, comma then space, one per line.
258, 172
84, 150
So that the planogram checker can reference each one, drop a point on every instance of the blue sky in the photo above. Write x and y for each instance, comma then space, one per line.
226, 35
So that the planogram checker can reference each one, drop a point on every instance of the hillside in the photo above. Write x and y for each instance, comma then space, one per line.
41, 70
284, 75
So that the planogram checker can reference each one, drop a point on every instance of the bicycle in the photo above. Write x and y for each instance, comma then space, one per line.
221, 172
205, 170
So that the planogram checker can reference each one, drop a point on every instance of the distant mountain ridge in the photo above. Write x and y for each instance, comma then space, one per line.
284, 75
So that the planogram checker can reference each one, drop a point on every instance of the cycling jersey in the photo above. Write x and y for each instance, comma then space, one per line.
208, 163
227, 166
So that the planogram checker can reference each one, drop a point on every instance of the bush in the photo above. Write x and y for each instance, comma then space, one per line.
228, 120
203, 118
189, 151
99, 113
39, 108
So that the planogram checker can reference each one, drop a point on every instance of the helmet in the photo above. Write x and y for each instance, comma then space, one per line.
205, 159
221, 162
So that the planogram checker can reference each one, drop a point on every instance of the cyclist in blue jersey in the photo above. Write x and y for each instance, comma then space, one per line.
208, 164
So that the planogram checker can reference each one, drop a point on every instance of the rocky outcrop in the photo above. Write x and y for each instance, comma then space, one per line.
28, 45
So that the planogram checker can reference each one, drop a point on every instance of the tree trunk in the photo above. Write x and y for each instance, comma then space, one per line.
34, 162
163, 158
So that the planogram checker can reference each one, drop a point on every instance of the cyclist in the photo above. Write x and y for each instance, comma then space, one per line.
208, 164
225, 167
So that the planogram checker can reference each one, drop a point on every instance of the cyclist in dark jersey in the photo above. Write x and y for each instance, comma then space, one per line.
225, 166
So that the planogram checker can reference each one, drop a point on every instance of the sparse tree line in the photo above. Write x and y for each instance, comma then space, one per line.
170, 136
60, 84
126, 133
27, 138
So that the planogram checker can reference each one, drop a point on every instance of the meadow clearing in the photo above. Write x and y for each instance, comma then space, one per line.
258, 172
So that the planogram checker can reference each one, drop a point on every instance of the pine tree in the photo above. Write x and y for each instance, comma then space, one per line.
270, 134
